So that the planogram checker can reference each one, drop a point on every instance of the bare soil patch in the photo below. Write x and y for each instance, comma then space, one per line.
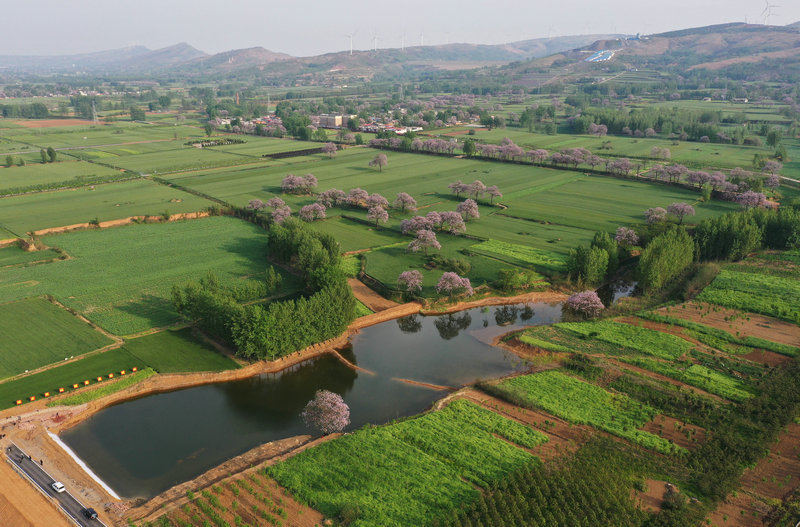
22, 504
651, 499
368, 297
740, 511
676, 431
778, 474
54, 123
736, 322
770, 358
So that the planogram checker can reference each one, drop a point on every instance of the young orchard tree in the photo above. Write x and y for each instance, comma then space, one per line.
410, 281
326, 412
450, 283
330, 149
425, 240
468, 209
379, 161
405, 202
680, 210
378, 214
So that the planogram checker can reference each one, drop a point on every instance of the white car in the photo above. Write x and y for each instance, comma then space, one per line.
58, 486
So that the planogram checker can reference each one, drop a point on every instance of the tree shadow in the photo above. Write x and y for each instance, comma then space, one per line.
156, 311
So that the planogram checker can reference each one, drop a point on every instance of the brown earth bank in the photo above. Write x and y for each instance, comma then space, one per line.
117, 223
368, 297
22, 504
736, 322
682, 434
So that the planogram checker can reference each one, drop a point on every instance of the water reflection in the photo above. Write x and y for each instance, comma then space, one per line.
614, 290
409, 324
449, 326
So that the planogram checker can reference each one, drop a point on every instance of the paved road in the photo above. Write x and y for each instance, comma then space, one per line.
42, 479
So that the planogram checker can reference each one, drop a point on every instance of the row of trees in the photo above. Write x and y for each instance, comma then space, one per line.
280, 327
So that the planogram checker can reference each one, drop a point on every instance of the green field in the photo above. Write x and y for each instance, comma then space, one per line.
402, 474
66, 375
583, 403
120, 278
14, 255
521, 255
643, 340
105, 389
762, 293
37, 333
67, 172
111, 201
178, 351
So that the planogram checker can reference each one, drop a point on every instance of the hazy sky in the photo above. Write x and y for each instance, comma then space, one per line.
303, 27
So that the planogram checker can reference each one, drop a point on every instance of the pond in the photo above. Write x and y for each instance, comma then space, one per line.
144, 446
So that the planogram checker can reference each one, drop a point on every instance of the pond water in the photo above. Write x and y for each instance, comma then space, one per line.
144, 446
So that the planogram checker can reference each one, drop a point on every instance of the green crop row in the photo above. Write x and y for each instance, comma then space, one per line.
641, 339
544, 344
580, 402
758, 293
397, 474
521, 253
720, 339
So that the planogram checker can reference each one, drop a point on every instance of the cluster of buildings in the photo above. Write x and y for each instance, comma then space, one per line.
337, 121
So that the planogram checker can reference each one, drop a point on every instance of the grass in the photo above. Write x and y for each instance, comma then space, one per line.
86, 396
14, 255
110, 201
583, 403
64, 376
362, 310
403, 473
68, 172
763, 293
521, 255
632, 337
121, 278
354, 236
178, 351
36, 333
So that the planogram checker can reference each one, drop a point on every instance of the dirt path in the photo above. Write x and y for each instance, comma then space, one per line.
23, 505
368, 297
736, 322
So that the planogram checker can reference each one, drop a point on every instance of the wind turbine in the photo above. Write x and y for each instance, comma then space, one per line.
350, 36
422, 38
374, 42
403, 41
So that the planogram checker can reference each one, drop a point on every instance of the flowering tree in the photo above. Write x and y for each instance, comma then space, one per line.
698, 177
772, 182
468, 209
275, 203
415, 224
404, 202
357, 197
772, 167
292, 184
310, 182
452, 222
256, 204
626, 237
435, 219
326, 412
620, 166
377, 213
477, 189
425, 239
717, 180
493, 192
379, 161
679, 210
655, 215
586, 303
458, 188
376, 200
330, 149
410, 281
750, 199
332, 198
315, 211
280, 214
450, 283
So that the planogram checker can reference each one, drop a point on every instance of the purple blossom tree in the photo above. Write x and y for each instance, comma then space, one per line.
450, 284
477, 189
435, 219
410, 281
587, 303
330, 149
773, 182
493, 192
378, 214
458, 188
452, 222
425, 240
680, 210
376, 200
655, 215
717, 180
326, 412
415, 224
357, 197
256, 204
626, 237
468, 209
309, 182
751, 200
315, 211
405, 202
771, 167
292, 184
332, 198
275, 203
379, 161
280, 214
